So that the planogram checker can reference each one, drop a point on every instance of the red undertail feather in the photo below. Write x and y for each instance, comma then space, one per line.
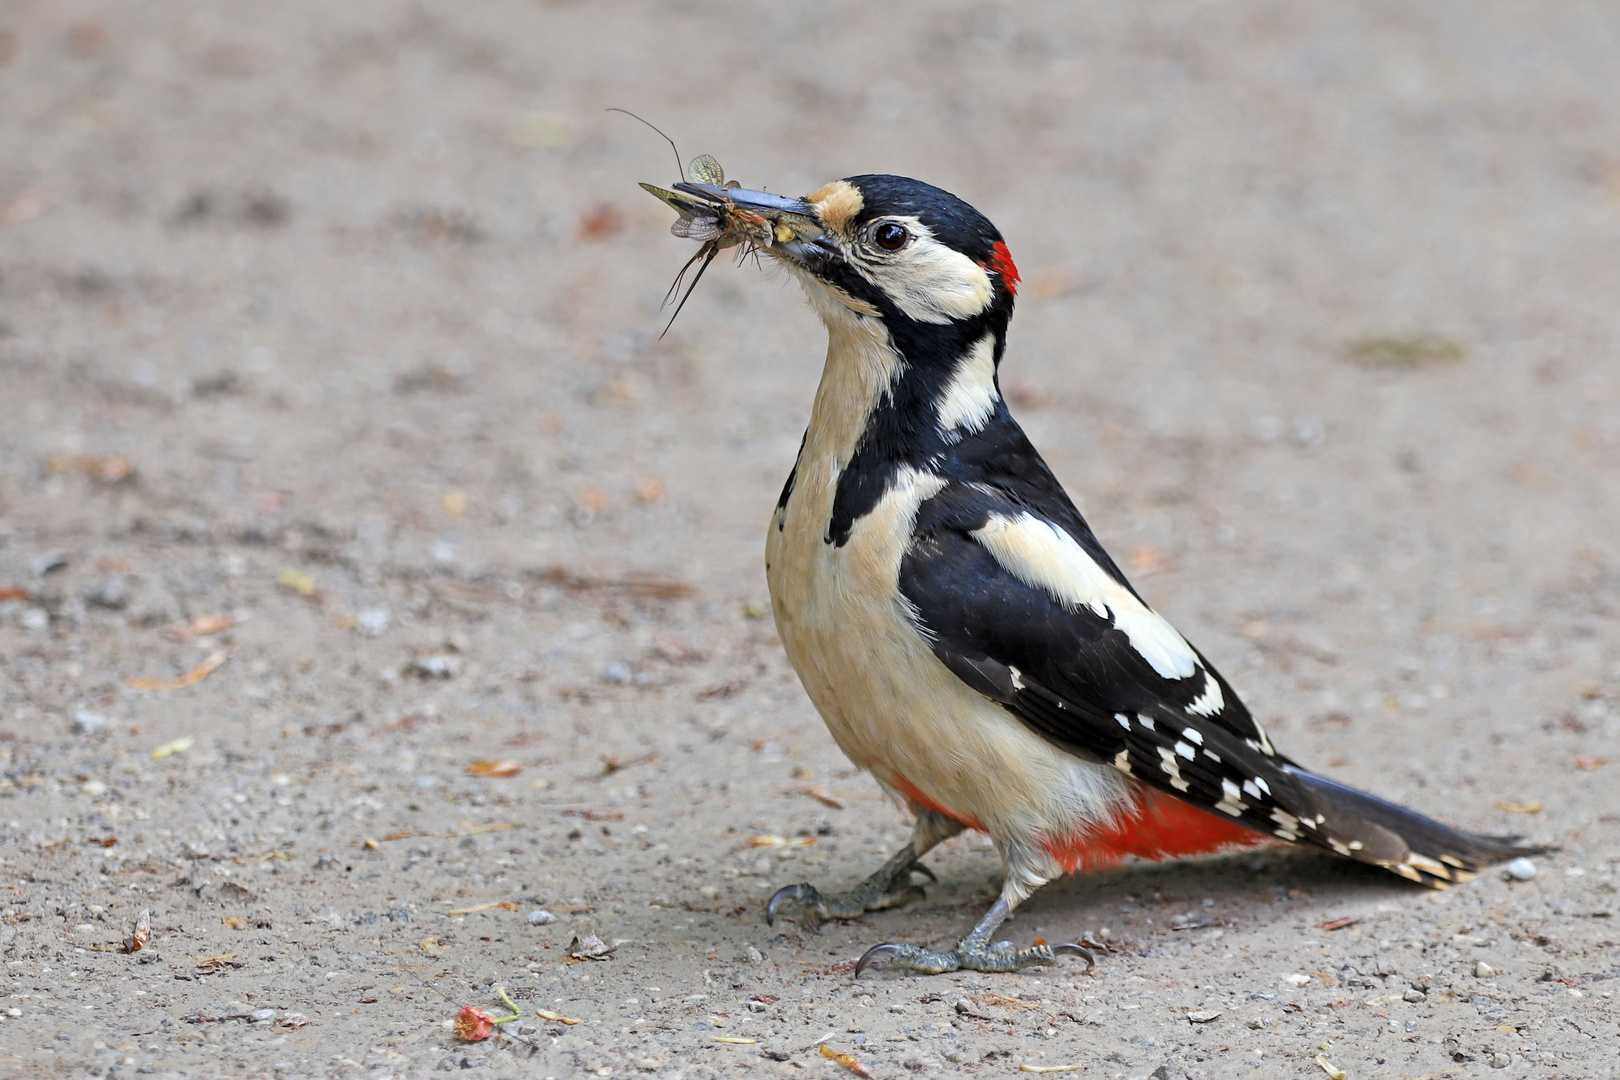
915, 795
1162, 827
1001, 262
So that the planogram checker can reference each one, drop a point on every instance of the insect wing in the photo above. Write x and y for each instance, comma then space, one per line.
681, 204
702, 228
706, 170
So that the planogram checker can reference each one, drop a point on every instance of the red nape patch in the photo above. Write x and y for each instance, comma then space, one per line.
1001, 262
914, 794
1161, 828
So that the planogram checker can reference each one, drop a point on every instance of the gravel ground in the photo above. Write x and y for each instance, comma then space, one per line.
339, 451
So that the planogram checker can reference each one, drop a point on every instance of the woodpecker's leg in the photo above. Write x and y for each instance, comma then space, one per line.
976, 952
890, 887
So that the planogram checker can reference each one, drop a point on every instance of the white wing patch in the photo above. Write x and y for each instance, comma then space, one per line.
1211, 701
970, 399
1040, 554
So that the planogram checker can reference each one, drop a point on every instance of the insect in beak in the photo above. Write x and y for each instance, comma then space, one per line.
723, 214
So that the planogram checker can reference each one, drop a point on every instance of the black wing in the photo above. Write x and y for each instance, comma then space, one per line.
1073, 675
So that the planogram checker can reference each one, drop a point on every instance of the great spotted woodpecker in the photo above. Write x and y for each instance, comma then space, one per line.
957, 624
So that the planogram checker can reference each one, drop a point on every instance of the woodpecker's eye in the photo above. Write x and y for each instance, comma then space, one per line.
890, 237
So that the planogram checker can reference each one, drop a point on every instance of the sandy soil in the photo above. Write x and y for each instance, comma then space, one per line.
331, 370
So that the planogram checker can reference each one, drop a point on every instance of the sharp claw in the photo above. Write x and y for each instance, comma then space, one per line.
919, 868
874, 953
803, 893
1069, 948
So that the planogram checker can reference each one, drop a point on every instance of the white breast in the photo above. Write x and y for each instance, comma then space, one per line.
891, 705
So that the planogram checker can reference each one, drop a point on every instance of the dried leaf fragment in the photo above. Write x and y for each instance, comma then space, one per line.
846, 1060
469, 828
494, 768
1532, 807
173, 747
635, 583
820, 794
1328, 1067
202, 626
219, 960
1587, 764
556, 1018
143, 933
1341, 923
235, 922
1050, 1068
195, 675
14, 592
1404, 353
505, 904
767, 840
588, 946
736, 1039
296, 580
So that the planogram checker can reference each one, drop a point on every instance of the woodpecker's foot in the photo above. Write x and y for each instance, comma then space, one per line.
975, 952
889, 887
973, 956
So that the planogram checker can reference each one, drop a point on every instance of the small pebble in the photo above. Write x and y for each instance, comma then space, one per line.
541, 917
441, 666
1203, 1016
1500, 1061
13, 1012
1482, 970
261, 1016
373, 621
963, 1005
87, 723
1414, 996
1520, 869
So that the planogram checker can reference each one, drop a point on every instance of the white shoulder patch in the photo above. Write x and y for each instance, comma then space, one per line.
1042, 555
971, 397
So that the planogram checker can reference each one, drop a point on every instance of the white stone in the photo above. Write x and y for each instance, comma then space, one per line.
1520, 869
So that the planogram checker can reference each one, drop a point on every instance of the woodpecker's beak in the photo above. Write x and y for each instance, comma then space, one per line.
796, 231
731, 214
758, 202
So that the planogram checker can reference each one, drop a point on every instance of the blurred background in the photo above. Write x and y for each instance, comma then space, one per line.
330, 356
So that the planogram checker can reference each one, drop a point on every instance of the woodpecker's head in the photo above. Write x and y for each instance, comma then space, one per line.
873, 252
900, 250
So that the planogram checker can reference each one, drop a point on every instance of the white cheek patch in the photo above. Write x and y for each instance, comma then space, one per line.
970, 398
1044, 556
927, 280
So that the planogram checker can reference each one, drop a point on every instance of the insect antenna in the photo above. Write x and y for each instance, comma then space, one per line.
707, 253
678, 166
